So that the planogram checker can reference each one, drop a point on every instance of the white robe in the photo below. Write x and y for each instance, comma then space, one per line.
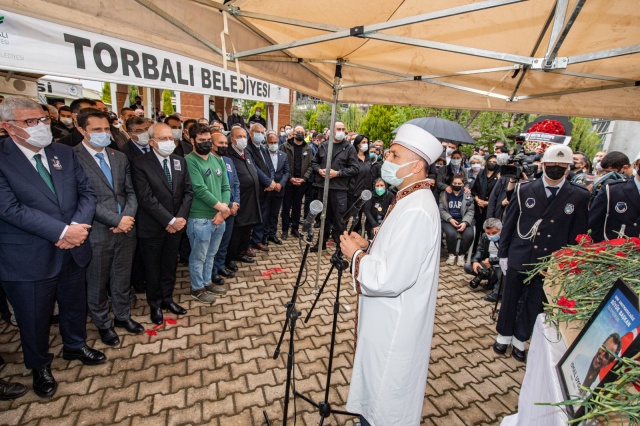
399, 285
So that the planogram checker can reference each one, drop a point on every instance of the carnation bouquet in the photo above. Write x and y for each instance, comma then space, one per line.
579, 277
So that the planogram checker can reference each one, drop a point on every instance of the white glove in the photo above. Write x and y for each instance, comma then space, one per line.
503, 265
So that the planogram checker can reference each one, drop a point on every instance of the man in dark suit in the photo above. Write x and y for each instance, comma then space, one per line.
264, 169
138, 130
542, 216
249, 213
280, 167
46, 207
113, 237
616, 210
164, 193
75, 137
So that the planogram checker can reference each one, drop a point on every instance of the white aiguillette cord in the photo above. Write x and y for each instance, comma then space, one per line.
223, 45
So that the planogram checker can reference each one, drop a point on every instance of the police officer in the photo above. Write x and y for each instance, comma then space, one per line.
542, 216
616, 210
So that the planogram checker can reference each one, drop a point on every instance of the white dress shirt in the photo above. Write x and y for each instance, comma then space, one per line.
29, 154
546, 187
93, 153
274, 159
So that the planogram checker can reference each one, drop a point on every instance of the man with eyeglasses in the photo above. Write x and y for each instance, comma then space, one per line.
46, 207
164, 193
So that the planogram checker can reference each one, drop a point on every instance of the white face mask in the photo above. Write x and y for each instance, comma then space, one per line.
273, 147
287, 131
241, 143
117, 125
234, 112
364, 147
165, 148
67, 121
39, 136
257, 113
339, 136
212, 107
476, 167
177, 134
143, 139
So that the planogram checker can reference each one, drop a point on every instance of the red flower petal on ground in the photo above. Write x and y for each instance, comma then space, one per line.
151, 332
171, 321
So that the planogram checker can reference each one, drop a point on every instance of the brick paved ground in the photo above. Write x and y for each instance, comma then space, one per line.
215, 367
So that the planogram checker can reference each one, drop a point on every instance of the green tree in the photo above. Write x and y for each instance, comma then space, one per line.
167, 107
106, 93
583, 137
133, 92
322, 118
378, 123
351, 117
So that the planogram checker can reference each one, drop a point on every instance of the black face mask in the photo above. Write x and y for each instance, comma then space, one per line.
491, 166
555, 172
203, 148
299, 136
222, 151
456, 187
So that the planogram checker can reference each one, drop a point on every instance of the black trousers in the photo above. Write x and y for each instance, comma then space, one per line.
451, 235
185, 248
138, 278
160, 259
33, 303
272, 211
516, 322
239, 243
336, 208
258, 233
292, 206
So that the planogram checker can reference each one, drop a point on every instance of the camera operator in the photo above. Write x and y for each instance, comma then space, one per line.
543, 216
485, 262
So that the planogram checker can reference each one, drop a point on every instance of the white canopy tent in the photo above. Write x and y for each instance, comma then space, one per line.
564, 57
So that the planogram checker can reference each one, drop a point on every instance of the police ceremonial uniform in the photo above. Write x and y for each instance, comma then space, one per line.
535, 227
616, 211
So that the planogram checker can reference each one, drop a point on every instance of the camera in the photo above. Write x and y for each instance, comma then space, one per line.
519, 164
484, 273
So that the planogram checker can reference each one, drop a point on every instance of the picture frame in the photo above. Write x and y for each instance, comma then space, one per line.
616, 325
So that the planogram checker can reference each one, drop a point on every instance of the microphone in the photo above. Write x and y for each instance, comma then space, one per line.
315, 208
355, 208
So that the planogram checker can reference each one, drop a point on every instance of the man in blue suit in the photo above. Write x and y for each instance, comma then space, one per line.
279, 164
46, 206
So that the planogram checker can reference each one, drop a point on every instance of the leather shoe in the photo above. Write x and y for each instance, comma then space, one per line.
9, 391
314, 249
274, 239
86, 355
224, 272
44, 385
174, 308
156, 316
232, 266
519, 355
261, 247
491, 297
245, 259
130, 325
499, 348
295, 233
284, 236
109, 336
250, 252
217, 280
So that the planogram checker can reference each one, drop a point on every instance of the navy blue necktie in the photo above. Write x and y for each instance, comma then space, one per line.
554, 192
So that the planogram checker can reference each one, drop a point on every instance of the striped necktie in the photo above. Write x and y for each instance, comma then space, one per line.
44, 173
166, 172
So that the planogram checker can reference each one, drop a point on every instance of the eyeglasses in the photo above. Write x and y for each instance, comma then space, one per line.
32, 122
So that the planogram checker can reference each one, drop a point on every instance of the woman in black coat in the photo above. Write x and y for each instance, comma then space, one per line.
376, 208
363, 180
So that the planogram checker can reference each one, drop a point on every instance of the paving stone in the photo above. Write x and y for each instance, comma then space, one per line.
91, 416
172, 400
39, 410
130, 409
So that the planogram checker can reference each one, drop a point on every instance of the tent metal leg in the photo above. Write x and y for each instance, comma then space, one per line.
325, 193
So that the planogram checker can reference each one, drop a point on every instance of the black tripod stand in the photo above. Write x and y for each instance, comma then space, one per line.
292, 317
495, 310
324, 408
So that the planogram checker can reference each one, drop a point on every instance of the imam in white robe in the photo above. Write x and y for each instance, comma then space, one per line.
398, 284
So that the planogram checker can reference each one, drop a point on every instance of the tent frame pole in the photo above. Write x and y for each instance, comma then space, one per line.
325, 192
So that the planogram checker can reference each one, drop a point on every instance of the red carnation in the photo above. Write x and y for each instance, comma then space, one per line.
584, 239
617, 242
621, 254
568, 304
564, 252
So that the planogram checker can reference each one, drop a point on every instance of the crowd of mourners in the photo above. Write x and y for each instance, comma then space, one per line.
110, 203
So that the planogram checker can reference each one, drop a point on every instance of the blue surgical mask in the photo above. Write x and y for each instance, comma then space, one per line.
372, 156
389, 171
258, 138
99, 140
494, 238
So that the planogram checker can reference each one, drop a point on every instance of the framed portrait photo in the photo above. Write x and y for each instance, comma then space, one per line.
615, 325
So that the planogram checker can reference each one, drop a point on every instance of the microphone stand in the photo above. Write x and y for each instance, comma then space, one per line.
292, 315
324, 408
